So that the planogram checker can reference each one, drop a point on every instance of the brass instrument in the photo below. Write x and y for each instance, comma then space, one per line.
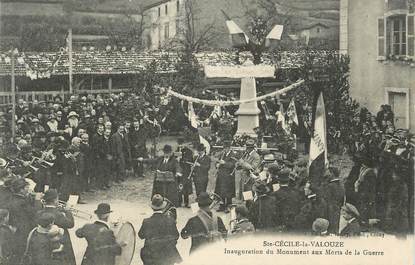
76, 212
43, 162
29, 164
170, 210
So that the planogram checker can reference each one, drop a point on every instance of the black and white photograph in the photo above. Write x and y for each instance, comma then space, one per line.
201, 132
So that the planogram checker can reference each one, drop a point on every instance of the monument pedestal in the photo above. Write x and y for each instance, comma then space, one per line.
248, 113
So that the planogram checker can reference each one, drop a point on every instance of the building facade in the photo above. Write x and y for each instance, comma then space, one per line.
379, 36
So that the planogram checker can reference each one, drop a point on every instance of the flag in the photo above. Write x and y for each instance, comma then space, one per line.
194, 124
275, 33
318, 144
292, 113
238, 37
281, 119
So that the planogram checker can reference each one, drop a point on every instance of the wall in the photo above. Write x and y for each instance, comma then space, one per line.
26, 9
369, 77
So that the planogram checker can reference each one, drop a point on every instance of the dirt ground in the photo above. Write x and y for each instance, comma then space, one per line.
130, 202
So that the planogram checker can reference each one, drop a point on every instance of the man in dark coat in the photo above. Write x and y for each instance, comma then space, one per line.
262, 211
287, 203
201, 169
102, 247
160, 234
22, 210
205, 227
138, 138
121, 152
165, 181
334, 195
63, 219
225, 179
349, 221
99, 158
185, 182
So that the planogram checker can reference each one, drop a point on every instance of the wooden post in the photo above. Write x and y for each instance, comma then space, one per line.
13, 88
109, 84
70, 59
92, 82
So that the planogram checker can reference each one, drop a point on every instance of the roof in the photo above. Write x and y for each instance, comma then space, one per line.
312, 25
44, 64
152, 3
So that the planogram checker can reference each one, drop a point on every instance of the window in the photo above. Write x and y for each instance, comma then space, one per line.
397, 29
166, 31
159, 12
318, 30
178, 6
166, 9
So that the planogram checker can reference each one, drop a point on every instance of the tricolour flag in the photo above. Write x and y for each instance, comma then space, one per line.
237, 36
318, 143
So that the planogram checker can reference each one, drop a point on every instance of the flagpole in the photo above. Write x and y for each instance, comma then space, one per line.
13, 90
70, 59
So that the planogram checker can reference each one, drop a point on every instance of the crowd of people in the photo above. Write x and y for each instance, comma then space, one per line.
68, 148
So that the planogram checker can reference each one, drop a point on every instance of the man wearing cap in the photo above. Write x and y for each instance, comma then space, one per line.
165, 181
262, 211
204, 228
287, 202
63, 219
201, 169
22, 210
249, 163
349, 223
102, 246
225, 180
160, 234
185, 184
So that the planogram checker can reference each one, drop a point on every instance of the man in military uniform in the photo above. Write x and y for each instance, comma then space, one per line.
185, 182
225, 180
249, 163
205, 227
63, 219
201, 169
102, 247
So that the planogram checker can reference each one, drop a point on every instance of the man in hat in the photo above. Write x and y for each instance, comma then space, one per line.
249, 163
102, 246
165, 181
287, 202
349, 222
225, 180
320, 227
160, 234
201, 168
185, 182
63, 219
204, 228
262, 210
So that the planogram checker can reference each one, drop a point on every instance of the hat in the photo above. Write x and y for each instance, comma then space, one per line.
167, 148
3, 162
260, 188
20, 121
158, 202
72, 114
250, 143
200, 147
204, 199
45, 219
59, 113
103, 208
50, 195
274, 168
350, 209
284, 175
320, 225
35, 120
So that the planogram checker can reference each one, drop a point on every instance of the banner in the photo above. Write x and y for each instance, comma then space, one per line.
194, 123
318, 144
234, 102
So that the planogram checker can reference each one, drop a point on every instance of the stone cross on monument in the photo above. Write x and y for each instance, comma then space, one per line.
247, 113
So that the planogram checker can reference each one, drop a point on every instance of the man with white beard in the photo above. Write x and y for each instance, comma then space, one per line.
73, 123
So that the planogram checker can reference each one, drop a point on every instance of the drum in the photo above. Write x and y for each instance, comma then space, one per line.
125, 234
